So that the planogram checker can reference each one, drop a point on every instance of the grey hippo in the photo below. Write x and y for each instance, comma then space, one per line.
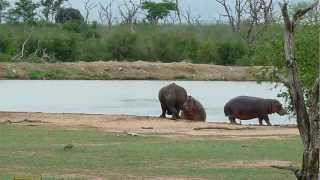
171, 98
246, 107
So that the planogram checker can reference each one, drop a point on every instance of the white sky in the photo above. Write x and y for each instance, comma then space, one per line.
208, 10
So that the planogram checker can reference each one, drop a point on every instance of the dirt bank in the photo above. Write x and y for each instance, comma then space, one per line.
127, 71
137, 125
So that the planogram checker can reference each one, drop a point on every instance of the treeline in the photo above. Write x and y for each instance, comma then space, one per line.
65, 35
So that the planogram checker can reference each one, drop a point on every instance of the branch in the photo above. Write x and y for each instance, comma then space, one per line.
314, 97
295, 170
287, 21
282, 78
301, 12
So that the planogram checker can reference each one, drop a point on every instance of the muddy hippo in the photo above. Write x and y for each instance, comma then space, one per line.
171, 98
245, 108
193, 110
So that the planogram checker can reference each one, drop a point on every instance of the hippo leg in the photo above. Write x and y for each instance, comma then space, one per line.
261, 121
232, 120
163, 115
173, 111
178, 112
266, 119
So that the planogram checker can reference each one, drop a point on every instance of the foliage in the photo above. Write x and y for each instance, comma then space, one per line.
50, 7
158, 11
122, 44
68, 14
213, 44
228, 53
4, 4
25, 10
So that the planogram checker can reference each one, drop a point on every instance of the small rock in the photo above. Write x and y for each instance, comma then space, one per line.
120, 69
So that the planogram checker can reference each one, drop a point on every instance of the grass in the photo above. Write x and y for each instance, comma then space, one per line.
39, 151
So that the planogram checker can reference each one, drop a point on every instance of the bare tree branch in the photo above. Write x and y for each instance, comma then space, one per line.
105, 13
88, 6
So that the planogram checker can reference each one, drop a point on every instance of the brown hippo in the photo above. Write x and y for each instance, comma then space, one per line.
246, 107
193, 110
171, 98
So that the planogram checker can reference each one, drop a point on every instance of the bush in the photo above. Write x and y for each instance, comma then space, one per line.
207, 53
62, 47
229, 52
122, 44
69, 15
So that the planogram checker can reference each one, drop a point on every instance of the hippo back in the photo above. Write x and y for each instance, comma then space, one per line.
246, 107
173, 94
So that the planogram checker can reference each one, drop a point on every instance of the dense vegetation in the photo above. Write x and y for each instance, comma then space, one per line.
215, 44
29, 35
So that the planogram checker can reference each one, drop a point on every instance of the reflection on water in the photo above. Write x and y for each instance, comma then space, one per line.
125, 97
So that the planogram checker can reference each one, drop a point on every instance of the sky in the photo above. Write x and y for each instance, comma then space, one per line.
208, 10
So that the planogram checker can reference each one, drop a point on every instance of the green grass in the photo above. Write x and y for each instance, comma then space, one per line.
39, 151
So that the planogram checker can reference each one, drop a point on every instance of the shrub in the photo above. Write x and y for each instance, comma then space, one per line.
207, 53
229, 52
69, 14
62, 47
122, 44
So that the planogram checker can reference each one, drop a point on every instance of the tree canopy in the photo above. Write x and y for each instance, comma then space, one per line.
157, 11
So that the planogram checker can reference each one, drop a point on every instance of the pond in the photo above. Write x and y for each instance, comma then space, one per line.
126, 97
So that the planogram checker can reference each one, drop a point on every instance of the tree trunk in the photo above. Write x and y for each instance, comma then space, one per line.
307, 119
178, 11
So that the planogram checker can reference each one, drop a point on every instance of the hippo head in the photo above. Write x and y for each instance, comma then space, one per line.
188, 104
277, 108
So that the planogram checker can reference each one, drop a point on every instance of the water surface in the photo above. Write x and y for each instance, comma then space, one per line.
126, 97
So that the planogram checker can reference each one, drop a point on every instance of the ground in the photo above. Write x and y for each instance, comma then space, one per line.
138, 70
81, 146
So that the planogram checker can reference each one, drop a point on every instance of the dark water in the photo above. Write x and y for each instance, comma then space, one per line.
125, 97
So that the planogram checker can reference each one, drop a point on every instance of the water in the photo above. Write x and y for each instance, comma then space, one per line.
126, 97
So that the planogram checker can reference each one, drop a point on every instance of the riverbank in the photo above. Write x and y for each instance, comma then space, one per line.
138, 70
149, 126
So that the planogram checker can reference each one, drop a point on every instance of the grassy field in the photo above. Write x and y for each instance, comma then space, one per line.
40, 151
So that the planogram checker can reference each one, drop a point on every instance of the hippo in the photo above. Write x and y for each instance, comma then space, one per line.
171, 98
246, 107
192, 109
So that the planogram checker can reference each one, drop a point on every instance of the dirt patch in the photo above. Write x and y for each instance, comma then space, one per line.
136, 125
138, 70
251, 164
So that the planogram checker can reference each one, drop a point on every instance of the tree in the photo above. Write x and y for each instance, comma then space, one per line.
257, 14
4, 4
88, 6
50, 7
260, 15
128, 12
105, 13
306, 108
68, 14
25, 10
158, 11
178, 11
235, 14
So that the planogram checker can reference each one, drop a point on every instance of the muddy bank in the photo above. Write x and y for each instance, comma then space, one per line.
137, 125
138, 70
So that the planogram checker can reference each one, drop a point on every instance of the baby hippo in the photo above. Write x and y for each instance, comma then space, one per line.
193, 110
